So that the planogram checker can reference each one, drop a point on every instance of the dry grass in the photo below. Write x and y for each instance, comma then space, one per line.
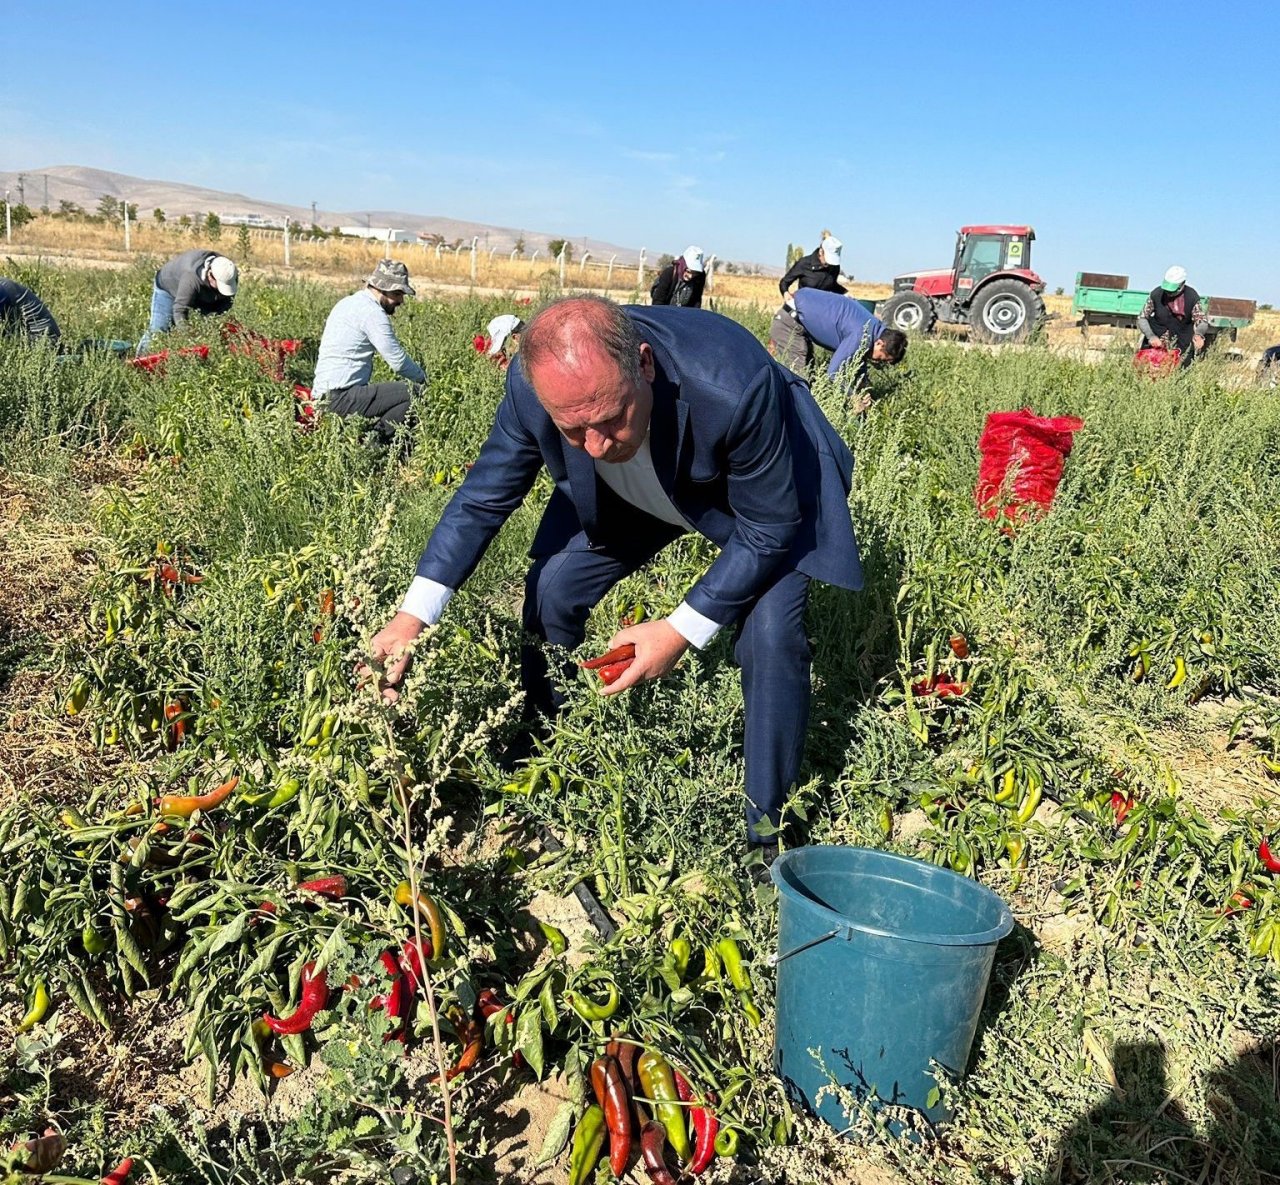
347, 260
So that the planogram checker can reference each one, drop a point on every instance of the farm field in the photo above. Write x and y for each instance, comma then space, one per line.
187, 582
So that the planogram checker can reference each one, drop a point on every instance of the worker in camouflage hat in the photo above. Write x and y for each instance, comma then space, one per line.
358, 325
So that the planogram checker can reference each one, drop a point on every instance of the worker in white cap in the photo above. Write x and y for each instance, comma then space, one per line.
197, 281
681, 282
819, 269
503, 332
1174, 317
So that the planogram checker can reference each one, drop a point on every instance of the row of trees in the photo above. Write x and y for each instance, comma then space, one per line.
111, 210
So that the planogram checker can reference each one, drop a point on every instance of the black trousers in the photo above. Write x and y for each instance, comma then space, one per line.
387, 404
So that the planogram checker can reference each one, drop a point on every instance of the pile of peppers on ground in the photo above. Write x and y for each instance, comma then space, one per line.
645, 1105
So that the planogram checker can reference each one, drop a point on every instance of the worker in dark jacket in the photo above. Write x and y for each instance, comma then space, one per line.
819, 269
197, 281
839, 324
1174, 317
653, 423
23, 313
681, 282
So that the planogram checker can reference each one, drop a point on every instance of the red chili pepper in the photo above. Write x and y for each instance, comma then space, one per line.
490, 1005
1240, 901
267, 907
120, 1174
185, 805
413, 961
615, 1100
1121, 805
334, 887
613, 672
1268, 860
625, 1054
624, 653
472, 1037
653, 1140
177, 729
705, 1127
938, 685
959, 646
395, 999
315, 995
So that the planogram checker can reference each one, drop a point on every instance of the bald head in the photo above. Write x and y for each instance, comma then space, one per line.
575, 331
592, 374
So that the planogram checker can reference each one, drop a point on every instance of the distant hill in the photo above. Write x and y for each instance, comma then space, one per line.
85, 186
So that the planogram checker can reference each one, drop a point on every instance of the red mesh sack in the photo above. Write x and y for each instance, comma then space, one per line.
1022, 458
1156, 360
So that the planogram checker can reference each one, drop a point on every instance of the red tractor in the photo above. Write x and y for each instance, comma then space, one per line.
990, 288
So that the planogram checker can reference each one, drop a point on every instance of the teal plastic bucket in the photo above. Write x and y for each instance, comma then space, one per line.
883, 963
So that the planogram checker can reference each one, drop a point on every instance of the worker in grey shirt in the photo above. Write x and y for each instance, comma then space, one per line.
23, 313
197, 281
358, 325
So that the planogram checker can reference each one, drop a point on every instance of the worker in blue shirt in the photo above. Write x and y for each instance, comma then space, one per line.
24, 314
839, 324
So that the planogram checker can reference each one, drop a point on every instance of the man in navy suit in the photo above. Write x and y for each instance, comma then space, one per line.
654, 421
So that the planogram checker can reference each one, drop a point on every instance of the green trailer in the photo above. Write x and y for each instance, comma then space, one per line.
1103, 299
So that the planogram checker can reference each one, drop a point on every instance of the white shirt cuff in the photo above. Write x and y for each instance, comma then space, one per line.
692, 626
426, 600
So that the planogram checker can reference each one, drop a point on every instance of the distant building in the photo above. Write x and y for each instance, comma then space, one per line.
260, 221
384, 234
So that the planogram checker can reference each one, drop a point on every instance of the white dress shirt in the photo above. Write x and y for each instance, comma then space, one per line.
636, 483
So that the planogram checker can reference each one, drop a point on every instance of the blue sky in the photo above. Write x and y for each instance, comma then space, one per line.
1131, 135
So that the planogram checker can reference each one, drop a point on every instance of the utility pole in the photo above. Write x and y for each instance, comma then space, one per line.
22, 190
46, 191
8, 226
313, 214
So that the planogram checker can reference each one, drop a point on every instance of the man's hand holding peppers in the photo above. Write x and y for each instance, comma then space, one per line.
658, 649
391, 646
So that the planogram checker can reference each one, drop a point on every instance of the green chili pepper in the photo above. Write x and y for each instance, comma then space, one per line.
729, 952
659, 1086
588, 1143
749, 1009
93, 942
38, 1007
710, 964
555, 937
286, 792
681, 953
727, 1143
591, 1010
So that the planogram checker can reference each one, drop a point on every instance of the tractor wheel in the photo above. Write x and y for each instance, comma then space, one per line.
1005, 311
911, 312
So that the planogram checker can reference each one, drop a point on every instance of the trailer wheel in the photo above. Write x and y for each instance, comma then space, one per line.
911, 312
1005, 311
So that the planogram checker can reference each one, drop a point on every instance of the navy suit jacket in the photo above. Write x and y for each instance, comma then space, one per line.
738, 443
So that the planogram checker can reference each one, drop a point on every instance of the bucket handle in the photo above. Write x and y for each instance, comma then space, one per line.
774, 959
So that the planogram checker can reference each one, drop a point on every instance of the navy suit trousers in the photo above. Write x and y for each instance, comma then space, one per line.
771, 648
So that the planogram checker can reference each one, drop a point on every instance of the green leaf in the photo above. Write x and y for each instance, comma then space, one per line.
231, 933
366, 1125
933, 1098
550, 1010
557, 1133
335, 943
529, 1038
266, 956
